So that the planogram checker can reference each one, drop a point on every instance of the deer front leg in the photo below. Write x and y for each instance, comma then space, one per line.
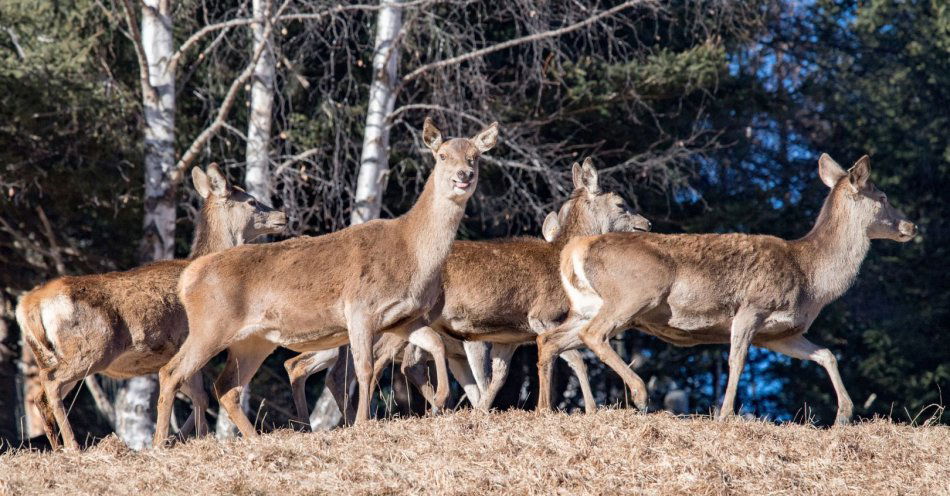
551, 344
801, 348
744, 325
424, 337
362, 335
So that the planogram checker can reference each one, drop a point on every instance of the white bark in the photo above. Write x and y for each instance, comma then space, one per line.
257, 155
374, 162
135, 419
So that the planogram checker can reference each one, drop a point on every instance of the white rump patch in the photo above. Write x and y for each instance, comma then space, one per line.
584, 300
54, 313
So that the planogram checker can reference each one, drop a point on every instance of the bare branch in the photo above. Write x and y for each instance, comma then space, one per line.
524, 39
230, 97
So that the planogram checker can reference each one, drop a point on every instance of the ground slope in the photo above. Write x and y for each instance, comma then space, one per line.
611, 452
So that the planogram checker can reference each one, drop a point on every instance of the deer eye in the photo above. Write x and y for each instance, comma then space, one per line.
252, 202
441, 156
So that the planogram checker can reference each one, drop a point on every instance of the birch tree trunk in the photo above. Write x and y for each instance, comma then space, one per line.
134, 403
374, 161
257, 154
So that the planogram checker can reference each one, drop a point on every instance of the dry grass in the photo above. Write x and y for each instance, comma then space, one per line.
614, 451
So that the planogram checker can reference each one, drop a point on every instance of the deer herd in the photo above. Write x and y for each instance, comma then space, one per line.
404, 290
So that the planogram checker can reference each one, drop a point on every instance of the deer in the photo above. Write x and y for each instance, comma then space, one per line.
740, 289
130, 323
507, 291
317, 293
503, 292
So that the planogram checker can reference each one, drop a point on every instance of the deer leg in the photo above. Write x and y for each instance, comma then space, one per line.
244, 358
361, 345
744, 325
463, 374
596, 335
186, 363
339, 381
55, 390
427, 339
477, 353
299, 369
195, 390
801, 348
561, 338
41, 403
500, 357
575, 360
415, 368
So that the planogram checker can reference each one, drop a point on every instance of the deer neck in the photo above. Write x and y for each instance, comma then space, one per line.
430, 227
832, 252
213, 234
575, 224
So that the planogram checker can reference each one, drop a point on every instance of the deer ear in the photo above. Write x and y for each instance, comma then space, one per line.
219, 185
860, 172
431, 135
551, 227
486, 139
829, 170
589, 176
577, 175
202, 185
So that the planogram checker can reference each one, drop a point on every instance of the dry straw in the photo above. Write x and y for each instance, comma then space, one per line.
611, 452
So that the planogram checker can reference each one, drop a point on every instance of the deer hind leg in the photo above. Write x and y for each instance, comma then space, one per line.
244, 358
744, 325
575, 360
54, 390
427, 339
194, 388
550, 344
801, 348
596, 336
477, 353
299, 369
39, 401
500, 357
185, 364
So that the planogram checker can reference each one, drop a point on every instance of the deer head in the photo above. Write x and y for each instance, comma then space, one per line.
591, 211
456, 160
862, 202
229, 208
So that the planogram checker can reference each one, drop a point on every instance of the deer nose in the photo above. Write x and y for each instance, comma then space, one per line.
907, 228
466, 176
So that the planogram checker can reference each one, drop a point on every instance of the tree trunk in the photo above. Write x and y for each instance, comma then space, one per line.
134, 403
374, 161
257, 178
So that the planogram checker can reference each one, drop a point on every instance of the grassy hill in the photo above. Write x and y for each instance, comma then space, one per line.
613, 451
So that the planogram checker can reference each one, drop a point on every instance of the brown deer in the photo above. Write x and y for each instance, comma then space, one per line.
740, 289
507, 292
316, 293
126, 324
